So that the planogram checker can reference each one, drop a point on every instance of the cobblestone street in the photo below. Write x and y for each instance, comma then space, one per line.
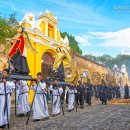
95, 117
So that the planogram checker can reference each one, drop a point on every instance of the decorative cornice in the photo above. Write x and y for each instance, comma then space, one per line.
36, 40
36, 32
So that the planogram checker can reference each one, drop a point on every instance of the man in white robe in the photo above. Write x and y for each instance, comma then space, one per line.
56, 93
40, 107
71, 97
23, 107
5, 99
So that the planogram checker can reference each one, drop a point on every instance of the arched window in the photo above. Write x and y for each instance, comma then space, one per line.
47, 59
47, 63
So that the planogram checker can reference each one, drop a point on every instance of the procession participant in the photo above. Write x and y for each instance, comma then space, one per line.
5, 100
95, 91
76, 96
113, 91
89, 92
56, 102
40, 107
109, 94
50, 92
23, 107
98, 91
119, 91
81, 91
71, 97
126, 90
118, 94
103, 93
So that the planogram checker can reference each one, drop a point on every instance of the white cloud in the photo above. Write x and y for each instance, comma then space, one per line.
117, 40
99, 43
82, 40
100, 35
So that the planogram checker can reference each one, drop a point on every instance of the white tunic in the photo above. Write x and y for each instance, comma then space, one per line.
56, 92
23, 106
3, 110
40, 107
71, 98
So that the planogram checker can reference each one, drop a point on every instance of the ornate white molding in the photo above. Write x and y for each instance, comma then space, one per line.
36, 40
36, 32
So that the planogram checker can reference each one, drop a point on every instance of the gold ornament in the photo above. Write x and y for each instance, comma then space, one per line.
95, 78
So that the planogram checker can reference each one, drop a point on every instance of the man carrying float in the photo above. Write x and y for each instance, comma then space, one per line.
56, 93
23, 107
40, 107
71, 97
5, 100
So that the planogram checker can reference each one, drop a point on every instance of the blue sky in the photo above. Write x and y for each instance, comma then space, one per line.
100, 26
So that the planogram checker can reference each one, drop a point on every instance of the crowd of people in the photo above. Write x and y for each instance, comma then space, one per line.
75, 94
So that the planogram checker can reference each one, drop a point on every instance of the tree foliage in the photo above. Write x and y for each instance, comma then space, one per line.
6, 31
72, 42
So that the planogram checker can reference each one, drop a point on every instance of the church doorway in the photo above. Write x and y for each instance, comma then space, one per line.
47, 63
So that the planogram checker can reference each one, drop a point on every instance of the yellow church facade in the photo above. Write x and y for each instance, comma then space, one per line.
45, 38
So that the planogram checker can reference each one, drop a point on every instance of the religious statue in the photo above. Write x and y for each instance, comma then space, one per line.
17, 56
58, 59
63, 58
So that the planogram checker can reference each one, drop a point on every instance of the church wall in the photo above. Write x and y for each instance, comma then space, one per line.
84, 64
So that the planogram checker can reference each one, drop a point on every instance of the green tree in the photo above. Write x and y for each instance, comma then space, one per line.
91, 57
12, 18
105, 59
72, 42
6, 31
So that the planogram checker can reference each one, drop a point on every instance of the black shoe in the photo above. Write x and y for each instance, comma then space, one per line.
28, 113
57, 114
72, 109
69, 110
53, 115
20, 115
3, 126
82, 106
35, 120
46, 118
